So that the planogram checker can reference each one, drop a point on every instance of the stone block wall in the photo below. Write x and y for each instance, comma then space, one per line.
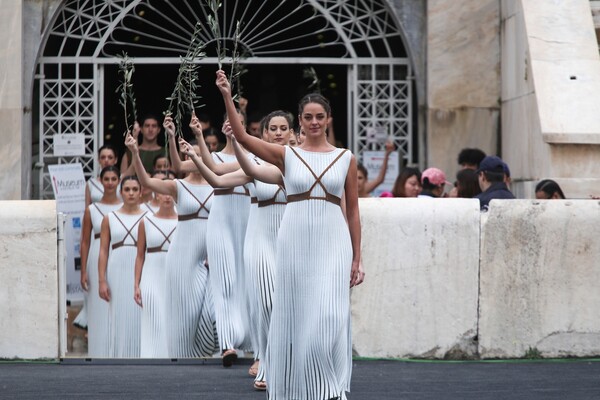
442, 280
29, 315
419, 298
539, 277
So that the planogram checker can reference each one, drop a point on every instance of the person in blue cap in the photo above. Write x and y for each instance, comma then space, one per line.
492, 175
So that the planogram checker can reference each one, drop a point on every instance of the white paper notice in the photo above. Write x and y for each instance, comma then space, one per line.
69, 144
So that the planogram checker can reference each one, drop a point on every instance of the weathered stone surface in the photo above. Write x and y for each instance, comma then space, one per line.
458, 30
29, 284
10, 99
452, 130
463, 79
421, 259
551, 94
538, 279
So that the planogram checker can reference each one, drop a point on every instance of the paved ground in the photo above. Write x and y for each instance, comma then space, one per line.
564, 380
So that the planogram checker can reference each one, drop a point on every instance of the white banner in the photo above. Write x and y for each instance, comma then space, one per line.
373, 160
68, 184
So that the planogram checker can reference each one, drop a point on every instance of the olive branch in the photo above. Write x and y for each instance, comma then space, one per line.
237, 69
315, 85
213, 23
184, 99
126, 69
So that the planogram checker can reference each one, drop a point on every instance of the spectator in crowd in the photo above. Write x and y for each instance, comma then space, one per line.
433, 181
365, 187
467, 184
149, 148
548, 189
408, 183
491, 175
470, 158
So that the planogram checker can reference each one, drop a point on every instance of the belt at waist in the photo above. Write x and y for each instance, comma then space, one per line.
97, 235
188, 217
221, 192
270, 202
121, 244
291, 198
157, 249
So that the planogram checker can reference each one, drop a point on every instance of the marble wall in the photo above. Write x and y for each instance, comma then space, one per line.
539, 279
550, 95
419, 298
29, 300
11, 115
463, 79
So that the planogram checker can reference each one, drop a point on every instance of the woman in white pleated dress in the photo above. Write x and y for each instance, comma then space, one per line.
263, 225
155, 233
190, 321
309, 349
225, 244
107, 156
97, 309
116, 264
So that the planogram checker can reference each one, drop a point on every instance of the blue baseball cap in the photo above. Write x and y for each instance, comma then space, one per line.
492, 164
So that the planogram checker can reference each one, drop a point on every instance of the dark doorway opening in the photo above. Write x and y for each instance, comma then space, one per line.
267, 87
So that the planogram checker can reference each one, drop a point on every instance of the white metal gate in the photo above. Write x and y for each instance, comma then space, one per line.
87, 34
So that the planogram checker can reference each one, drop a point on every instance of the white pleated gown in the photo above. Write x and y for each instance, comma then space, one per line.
190, 311
225, 242
259, 252
153, 336
251, 301
96, 192
97, 308
309, 350
124, 313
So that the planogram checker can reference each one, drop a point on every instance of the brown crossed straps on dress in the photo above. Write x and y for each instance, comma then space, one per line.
272, 200
306, 195
195, 215
97, 235
159, 248
127, 233
222, 192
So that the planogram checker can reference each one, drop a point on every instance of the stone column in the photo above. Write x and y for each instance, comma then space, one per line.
11, 104
463, 79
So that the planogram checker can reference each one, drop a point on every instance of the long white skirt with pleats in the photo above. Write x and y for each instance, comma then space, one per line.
124, 313
153, 336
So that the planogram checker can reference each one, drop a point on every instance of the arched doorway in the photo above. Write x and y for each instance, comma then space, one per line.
355, 46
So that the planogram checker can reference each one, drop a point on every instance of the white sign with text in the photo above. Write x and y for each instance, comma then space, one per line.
68, 184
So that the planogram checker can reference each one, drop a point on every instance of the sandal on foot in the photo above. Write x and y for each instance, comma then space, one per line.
229, 357
260, 385
253, 371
